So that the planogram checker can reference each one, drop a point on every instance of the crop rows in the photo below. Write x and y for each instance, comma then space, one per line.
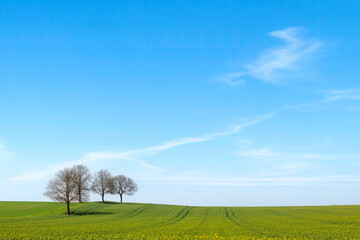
147, 221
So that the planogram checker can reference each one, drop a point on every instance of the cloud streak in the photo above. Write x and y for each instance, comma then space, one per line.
255, 181
330, 96
277, 63
338, 95
134, 155
269, 154
289, 163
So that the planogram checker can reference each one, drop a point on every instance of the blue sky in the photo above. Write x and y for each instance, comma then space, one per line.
246, 103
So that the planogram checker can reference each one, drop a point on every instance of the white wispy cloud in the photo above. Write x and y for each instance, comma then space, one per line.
289, 162
148, 151
304, 105
255, 181
233, 78
270, 154
134, 155
343, 94
262, 153
239, 127
280, 163
277, 63
88, 158
288, 169
330, 96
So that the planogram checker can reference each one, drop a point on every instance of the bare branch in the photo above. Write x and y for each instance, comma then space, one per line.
62, 187
82, 179
102, 183
124, 185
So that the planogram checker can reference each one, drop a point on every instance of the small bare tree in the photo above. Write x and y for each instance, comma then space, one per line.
82, 179
62, 187
102, 183
124, 185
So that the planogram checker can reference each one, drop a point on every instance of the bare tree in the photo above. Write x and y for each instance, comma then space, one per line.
62, 187
102, 183
82, 179
124, 185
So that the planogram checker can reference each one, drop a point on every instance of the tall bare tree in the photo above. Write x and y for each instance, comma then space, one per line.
124, 185
82, 179
62, 187
102, 183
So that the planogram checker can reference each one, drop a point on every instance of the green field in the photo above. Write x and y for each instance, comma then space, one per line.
38, 220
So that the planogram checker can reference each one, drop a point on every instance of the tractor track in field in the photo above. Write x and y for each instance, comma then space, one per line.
182, 214
136, 211
179, 217
186, 211
229, 212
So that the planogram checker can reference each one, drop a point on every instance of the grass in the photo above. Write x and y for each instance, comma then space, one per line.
40, 220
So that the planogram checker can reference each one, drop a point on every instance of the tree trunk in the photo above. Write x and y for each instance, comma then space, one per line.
68, 208
120, 198
102, 198
79, 192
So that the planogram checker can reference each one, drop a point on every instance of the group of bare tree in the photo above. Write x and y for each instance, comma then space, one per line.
104, 183
75, 184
